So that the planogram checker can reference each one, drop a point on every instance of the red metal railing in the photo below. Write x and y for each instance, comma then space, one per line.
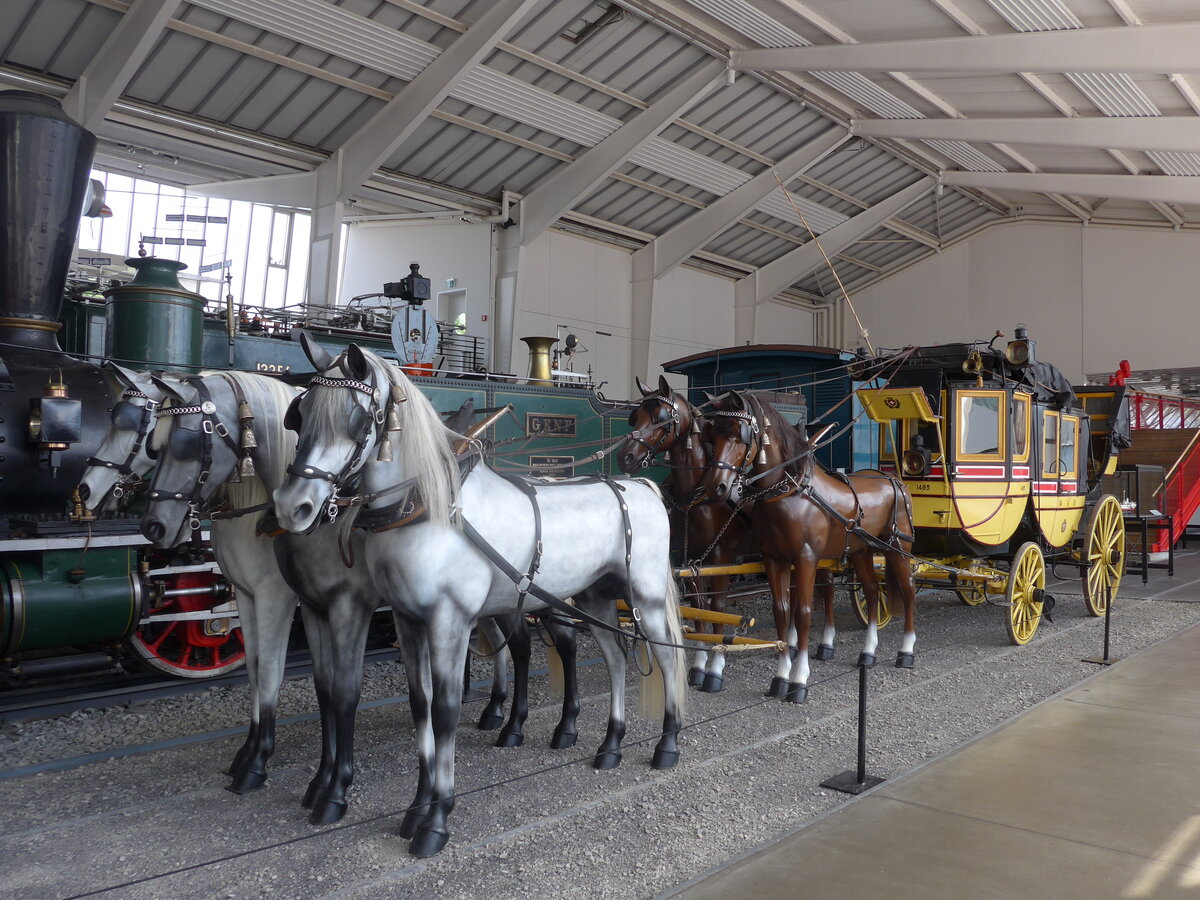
1181, 492
1162, 411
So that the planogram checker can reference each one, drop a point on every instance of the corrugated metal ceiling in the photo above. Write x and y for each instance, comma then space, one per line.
268, 87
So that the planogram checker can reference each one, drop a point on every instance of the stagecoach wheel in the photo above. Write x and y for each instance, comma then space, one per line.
860, 604
1105, 555
189, 648
972, 595
1026, 581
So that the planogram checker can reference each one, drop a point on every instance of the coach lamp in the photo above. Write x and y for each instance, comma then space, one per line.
916, 460
1019, 352
55, 420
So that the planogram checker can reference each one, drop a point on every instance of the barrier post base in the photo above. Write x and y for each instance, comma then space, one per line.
848, 783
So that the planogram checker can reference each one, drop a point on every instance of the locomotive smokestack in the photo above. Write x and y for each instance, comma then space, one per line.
45, 160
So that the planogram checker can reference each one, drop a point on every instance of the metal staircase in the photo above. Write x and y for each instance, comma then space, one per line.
1166, 432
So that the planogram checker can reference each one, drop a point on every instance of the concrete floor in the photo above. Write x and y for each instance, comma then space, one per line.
1092, 793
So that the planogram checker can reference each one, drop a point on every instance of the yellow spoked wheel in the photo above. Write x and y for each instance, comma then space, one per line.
860, 604
1026, 581
1105, 555
972, 595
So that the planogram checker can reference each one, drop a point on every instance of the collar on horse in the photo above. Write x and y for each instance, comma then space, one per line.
145, 422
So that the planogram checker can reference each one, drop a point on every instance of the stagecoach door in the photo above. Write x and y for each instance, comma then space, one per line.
988, 504
1057, 500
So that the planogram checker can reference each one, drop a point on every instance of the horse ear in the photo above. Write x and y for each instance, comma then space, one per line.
737, 401
644, 388
167, 389
356, 363
711, 398
317, 355
126, 377
663, 387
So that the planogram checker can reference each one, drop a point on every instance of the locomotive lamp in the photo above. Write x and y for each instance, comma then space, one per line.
1019, 352
916, 461
55, 420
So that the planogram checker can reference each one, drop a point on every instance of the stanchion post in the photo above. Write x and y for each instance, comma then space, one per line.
1105, 660
857, 781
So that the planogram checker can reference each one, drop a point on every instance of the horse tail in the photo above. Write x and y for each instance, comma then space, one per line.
652, 697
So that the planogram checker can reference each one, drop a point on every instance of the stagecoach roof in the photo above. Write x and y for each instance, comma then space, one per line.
1045, 381
754, 350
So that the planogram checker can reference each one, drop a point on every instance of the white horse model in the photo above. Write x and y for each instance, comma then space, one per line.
270, 570
590, 539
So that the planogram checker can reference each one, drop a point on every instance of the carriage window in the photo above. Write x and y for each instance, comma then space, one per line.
1066, 446
1020, 425
1050, 443
887, 452
980, 426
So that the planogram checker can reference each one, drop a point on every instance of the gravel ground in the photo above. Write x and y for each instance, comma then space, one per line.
529, 822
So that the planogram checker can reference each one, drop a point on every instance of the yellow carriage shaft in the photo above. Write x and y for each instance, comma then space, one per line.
734, 642
750, 568
705, 615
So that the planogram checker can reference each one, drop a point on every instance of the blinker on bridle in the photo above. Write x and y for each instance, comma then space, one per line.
668, 422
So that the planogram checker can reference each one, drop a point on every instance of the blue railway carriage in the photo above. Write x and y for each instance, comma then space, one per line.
810, 384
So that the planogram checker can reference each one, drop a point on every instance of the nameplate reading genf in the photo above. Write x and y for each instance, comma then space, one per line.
550, 426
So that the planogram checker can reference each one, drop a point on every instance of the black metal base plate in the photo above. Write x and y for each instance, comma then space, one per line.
1101, 661
848, 783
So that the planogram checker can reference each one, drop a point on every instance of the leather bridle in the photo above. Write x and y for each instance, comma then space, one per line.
125, 469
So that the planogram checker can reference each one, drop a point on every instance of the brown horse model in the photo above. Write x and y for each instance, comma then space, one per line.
805, 514
665, 422
715, 532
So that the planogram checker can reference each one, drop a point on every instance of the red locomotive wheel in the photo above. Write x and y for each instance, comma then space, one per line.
196, 648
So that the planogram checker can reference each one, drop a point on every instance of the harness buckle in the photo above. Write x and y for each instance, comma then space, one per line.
207, 426
525, 584
221, 430
203, 479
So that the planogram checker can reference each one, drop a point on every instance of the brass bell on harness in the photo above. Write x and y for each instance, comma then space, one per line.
393, 412
245, 418
764, 443
245, 468
384, 454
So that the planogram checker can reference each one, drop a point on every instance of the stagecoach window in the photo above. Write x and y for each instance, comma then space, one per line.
1066, 446
1020, 427
980, 427
1050, 443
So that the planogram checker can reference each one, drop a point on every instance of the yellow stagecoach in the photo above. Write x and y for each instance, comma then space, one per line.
1004, 460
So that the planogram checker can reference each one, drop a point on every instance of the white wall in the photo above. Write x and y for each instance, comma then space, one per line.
565, 280
378, 252
1091, 296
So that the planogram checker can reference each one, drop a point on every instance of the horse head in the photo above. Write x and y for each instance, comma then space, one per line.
735, 437
197, 446
658, 423
356, 405
122, 460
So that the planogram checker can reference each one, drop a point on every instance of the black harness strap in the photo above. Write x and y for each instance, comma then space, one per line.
143, 431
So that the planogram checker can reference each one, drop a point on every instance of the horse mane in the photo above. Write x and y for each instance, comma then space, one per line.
424, 443
791, 442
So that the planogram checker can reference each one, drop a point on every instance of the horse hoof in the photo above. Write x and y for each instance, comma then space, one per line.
562, 740
249, 780
778, 688
510, 739
410, 823
797, 693
904, 661
608, 760
866, 660
314, 790
327, 813
695, 677
664, 759
713, 683
428, 842
824, 652
490, 720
